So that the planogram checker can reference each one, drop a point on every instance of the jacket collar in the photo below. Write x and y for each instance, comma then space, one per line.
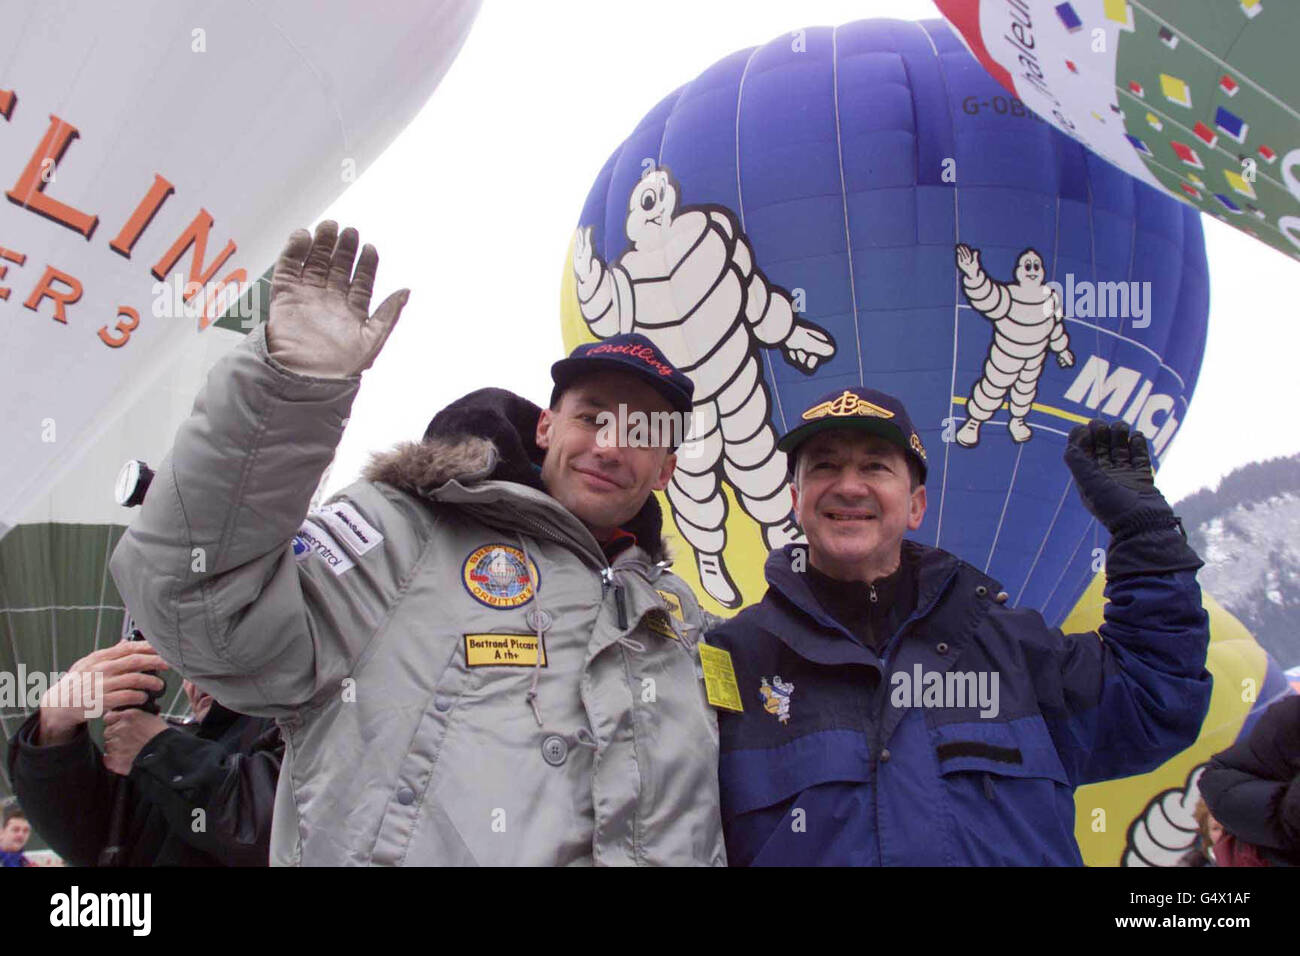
829, 642
484, 443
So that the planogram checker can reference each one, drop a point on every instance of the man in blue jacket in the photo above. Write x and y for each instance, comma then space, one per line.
898, 712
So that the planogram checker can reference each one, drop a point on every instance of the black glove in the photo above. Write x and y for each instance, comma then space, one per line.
1112, 470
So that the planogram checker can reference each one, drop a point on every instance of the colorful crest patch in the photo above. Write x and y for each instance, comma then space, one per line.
496, 575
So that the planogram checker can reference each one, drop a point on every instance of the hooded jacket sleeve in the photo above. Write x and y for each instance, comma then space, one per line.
1125, 698
235, 790
208, 568
1253, 787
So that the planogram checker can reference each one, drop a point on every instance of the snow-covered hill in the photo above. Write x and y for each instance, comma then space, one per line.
1248, 533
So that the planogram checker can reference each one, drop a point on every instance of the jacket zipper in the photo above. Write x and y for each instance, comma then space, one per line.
880, 710
916, 616
606, 573
620, 604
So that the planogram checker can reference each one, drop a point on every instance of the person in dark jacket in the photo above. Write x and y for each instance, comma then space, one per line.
897, 711
197, 794
1253, 787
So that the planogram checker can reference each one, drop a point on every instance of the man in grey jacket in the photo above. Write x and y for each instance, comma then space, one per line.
475, 654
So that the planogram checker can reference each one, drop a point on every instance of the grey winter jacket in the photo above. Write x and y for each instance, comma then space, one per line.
395, 632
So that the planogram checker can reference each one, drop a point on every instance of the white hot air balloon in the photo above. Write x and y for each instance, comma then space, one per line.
154, 156
151, 149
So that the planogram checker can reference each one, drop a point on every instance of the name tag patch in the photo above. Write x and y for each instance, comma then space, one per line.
346, 523
313, 540
503, 650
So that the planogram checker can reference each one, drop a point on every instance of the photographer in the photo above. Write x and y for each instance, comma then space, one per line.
197, 794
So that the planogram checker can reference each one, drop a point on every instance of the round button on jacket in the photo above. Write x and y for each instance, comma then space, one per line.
406, 796
555, 750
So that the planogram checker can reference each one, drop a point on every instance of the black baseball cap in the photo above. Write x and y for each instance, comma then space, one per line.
631, 353
864, 409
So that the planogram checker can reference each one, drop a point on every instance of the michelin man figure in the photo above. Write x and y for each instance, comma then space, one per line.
1027, 322
687, 281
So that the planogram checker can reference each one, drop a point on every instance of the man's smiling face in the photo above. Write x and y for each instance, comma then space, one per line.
854, 499
603, 484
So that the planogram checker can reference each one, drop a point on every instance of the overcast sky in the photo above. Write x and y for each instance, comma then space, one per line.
473, 206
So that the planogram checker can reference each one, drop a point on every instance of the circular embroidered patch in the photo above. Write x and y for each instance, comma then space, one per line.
495, 575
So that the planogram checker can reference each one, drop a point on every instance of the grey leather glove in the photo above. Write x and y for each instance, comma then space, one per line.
320, 323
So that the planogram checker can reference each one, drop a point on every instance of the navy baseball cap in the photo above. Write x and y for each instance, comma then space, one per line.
864, 409
630, 353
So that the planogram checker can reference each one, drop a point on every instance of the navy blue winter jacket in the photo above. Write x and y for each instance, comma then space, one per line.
1253, 787
865, 770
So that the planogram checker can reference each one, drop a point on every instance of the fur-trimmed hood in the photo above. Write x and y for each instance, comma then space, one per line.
488, 435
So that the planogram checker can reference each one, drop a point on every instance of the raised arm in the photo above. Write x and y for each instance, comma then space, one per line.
986, 295
207, 567
1125, 698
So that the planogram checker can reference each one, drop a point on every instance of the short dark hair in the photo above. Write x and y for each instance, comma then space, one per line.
13, 812
558, 390
914, 471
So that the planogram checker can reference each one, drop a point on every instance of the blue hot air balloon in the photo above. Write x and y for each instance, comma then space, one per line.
865, 205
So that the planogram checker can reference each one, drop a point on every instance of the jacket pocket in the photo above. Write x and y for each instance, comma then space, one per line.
757, 778
1019, 748
798, 804
1005, 793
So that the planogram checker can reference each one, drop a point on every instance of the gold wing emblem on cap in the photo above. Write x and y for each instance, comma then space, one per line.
847, 405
